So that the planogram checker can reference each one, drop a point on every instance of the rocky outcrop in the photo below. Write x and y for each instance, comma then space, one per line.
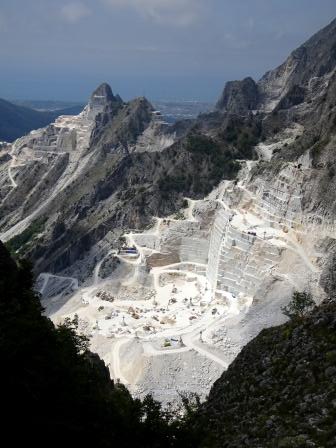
102, 99
295, 96
239, 97
119, 126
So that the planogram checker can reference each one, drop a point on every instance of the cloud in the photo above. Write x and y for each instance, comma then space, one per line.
174, 12
74, 12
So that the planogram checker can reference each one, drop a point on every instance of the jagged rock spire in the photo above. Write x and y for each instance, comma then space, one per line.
102, 98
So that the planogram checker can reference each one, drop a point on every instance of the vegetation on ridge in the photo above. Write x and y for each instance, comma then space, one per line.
299, 306
205, 164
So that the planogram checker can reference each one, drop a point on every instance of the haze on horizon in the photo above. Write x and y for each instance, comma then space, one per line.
164, 49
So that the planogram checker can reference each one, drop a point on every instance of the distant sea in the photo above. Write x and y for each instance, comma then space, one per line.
172, 111
181, 110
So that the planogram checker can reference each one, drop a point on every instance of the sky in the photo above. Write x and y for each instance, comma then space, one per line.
163, 49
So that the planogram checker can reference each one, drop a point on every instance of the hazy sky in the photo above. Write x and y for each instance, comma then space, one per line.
165, 49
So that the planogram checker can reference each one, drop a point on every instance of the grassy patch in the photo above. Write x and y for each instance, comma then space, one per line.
21, 240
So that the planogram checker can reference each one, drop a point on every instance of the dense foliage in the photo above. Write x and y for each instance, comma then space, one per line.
21, 240
242, 135
54, 391
207, 163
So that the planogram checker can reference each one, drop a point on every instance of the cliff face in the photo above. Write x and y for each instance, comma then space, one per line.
119, 127
314, 60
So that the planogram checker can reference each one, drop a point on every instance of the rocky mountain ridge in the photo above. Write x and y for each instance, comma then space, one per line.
288, 85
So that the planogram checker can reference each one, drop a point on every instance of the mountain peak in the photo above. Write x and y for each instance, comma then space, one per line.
103, 91
101, 98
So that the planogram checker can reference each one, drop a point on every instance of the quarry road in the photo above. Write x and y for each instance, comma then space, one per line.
190, 340
46, 277
12, 165
155, 231
137, 262
149, 350
169, 267
116, 360
128, 261
14, 184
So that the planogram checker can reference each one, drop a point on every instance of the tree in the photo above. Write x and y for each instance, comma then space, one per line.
299, 306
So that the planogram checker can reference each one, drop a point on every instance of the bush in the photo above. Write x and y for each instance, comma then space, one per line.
299, 306
179, 216
197, 143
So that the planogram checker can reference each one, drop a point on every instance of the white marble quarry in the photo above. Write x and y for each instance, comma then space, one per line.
218, 234
194, 249
238, 260
281, 199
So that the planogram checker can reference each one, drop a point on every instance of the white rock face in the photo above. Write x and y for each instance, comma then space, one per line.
65, 144
156, 137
